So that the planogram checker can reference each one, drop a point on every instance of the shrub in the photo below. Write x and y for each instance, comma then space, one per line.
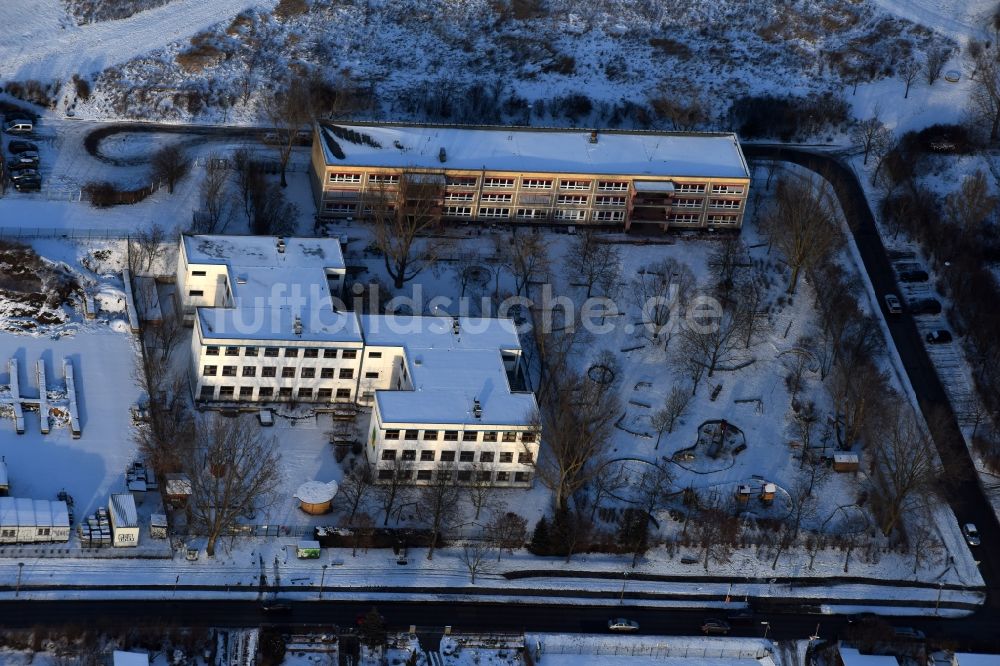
82, 87
289, 8
670, 47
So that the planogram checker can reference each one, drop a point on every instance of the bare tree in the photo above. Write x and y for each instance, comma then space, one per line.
524, 256
290, 110
607, 481
468, 270
248, 175
480, 491
660, 290
972, 205
506, 531
475, 555
674, 409
234, 472
402, 220
593, 263
858, 390
144, 246
934, 62
214, 197
364, 528
355, 489
169, 164
801, 224
717, 531
885, 144
909, 70
166, 440
715, 345
633, 532
654, 487
727, 258
924, 541
864, 132
438, 505
391, 493
273, 215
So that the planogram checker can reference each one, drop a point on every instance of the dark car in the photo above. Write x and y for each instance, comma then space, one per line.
23, 172
925, 306
28, 157
862, 618
742, 616
28, 185
712, 627
18, 147
276, 607
914, 276
939, 337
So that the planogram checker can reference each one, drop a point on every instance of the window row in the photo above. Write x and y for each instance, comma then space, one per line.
724, 203
453, 435
691, 188
289, 352
727, 189
500, 182
410, 455
461, 476
269, 393
287, 372
345, 177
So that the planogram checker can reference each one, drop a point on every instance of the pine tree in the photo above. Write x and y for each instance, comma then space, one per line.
540, 542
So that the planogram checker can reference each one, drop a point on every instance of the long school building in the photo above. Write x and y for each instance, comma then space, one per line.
635, 180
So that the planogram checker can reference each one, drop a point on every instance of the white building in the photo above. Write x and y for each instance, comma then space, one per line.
24, 520
448, 396
124, 520
266, 325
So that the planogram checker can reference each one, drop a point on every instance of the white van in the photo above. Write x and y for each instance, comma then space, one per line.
265, 417
19, 126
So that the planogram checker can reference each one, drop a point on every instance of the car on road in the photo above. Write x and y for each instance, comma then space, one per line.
27, 157
28, 185
971, 534
938, 337
17, 147
908, 633
276, 607
930, 306
893, 304
620, 624
742, 616
712, 627
18, 126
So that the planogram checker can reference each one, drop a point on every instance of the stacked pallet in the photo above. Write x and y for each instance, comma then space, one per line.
95, 531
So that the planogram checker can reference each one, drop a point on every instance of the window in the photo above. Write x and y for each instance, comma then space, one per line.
392, 434
249, 371
609, 201
268, 371
497, 198
326, 373
687, 203
305, 394
343, 393
489, 437
484, 477
291, 352
465, 475
345, 177
684, 218
346, 373
349, 353
209, 370
229, 371
498, 182
410, 454
521, 477
727, 189
486, 456
510, 436
494, 212
430, 435
470, 436
338, 207
288, 373
722, 219
575, 185
572, 199
525, 458
285, 392
271, 352
246, 393
506, 457
324, 393
460, 196
691, 188
389, 454
226, 391
232, 351
531, 213
211, 351
207, 392
444, 475
536, 184
503, 477
569, 215
612, 185
329, 353
423, 475
405, 474
265, 392
461, 181
527, 437
732, 204
467, 456
426, 456
371, 375
384, 474
374, 354
451, 435
458, 211
307, 373
383, 179
411, 434
447, 456
250, 351
198, 273
196, 292
310, 353
609, 215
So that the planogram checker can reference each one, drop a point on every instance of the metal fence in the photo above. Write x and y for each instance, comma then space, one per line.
661, 650
28, 233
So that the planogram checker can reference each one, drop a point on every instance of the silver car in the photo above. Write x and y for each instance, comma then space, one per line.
971, 534
620, 624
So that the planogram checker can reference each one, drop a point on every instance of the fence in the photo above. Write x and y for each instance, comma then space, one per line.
644, 648
29, 233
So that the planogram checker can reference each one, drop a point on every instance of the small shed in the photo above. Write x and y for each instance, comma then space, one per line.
846, 462
743, 493
124, 520
316, 497
177, 489
122, 658
4, 483
767, 492
158, 526
307, 550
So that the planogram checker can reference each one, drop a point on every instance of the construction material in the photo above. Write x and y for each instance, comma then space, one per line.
74, 412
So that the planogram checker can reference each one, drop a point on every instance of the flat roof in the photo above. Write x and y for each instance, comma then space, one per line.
523, 149
262, 251
450, 369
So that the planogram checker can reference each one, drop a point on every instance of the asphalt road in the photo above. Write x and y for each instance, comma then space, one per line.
965, 494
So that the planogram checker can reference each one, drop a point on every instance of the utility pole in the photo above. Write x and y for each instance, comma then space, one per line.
321, 581
20, 568
621, 598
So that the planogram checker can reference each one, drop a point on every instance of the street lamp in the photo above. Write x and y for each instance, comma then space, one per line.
321, 580
20, 568
767, 627
621, 598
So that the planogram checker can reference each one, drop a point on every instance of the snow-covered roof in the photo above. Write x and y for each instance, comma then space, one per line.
522, 149
123, 513
3, 473
26, 512
452, 362
277, 295
316, 492
852, 657
122, 658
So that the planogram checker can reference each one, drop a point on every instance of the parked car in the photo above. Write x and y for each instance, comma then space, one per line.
938, 337
18, 126
926, 306
17, 147
892, 304
713, 627
28, 185
27, 157
25, 173
908, 633
622, 625
971, 534
913, 276
276, 607
861, 618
